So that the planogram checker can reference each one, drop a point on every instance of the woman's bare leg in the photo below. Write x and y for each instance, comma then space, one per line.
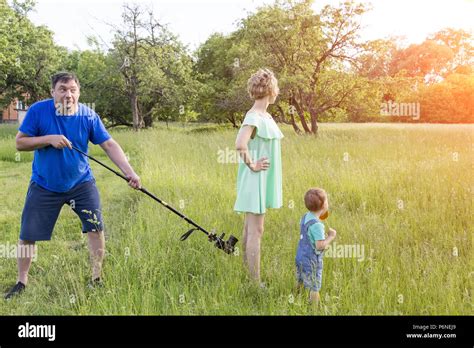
244, 240
254, 236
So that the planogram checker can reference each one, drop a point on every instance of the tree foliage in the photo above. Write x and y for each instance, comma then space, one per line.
326, 72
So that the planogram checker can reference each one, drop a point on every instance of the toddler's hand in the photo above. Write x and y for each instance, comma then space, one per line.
332, 232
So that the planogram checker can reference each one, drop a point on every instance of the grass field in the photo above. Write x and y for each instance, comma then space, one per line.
403, 193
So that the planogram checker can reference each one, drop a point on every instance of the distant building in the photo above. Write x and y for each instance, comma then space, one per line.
15, 112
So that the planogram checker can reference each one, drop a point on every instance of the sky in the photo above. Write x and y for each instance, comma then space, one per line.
195, 20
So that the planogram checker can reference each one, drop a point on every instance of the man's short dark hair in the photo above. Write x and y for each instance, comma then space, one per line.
64, 76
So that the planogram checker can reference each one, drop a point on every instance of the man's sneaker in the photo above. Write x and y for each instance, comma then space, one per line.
16, 290
96, 283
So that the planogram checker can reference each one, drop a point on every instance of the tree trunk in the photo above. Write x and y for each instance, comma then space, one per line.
295, 126
314, 122
313, 113
281, 117
137, 117
231, 118
300, 112
148, 121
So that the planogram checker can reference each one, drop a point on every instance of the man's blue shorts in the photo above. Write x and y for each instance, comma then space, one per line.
42, 208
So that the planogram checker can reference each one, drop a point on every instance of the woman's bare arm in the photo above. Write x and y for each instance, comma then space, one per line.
241, 145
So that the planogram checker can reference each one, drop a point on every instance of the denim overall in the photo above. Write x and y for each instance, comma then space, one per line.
309, 261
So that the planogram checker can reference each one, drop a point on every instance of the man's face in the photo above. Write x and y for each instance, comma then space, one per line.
66, 94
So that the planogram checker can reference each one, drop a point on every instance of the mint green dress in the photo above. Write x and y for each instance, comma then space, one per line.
257, 191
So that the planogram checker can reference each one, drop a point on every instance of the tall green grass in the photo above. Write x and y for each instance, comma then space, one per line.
403, 192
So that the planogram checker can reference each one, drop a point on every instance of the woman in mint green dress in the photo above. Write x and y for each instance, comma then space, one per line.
259, 178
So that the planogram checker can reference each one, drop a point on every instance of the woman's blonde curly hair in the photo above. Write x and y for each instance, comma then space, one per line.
262, 83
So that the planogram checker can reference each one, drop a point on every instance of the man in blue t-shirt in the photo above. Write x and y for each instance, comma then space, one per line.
61, 175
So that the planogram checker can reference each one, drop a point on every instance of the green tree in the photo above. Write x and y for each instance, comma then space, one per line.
155, 67
312, 53
450, 101
102, 86
461, 44
223, 67
28, 55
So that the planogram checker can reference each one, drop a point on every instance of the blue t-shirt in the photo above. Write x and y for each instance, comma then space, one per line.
60, 170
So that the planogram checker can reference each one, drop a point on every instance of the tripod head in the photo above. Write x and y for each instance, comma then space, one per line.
219, 241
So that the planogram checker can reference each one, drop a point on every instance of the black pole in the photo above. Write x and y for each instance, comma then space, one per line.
145, 191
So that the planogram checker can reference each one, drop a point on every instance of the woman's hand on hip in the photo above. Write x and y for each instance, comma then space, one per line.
262, 164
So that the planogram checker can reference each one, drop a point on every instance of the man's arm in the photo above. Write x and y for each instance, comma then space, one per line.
26, 143
116, 154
